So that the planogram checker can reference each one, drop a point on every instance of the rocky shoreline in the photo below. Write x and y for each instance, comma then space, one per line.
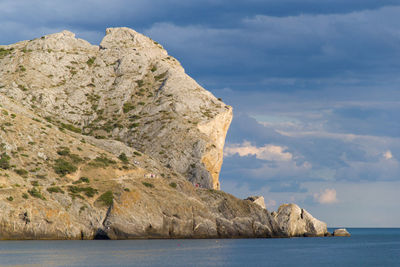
106, 142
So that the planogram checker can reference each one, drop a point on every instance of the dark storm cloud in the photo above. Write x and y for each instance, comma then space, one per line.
364, 120
286, 53
142, 13
245, 126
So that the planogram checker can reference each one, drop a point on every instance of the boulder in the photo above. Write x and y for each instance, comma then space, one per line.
295, 222
341, 232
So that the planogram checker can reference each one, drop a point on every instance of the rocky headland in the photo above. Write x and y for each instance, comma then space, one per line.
115, 141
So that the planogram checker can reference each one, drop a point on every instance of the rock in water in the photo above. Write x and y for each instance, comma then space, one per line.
341, 232
295, 221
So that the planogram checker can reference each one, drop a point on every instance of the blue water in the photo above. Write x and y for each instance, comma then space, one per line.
366, 247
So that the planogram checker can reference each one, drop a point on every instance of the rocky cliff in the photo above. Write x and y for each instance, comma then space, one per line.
127, 89
113, 141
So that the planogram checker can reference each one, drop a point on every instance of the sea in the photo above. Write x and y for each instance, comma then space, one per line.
366, 247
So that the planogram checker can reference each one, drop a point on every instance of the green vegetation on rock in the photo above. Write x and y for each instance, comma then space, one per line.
55, 189
88, 191
63, 167
122, 157
34, 192
5, 161
146, 184
106, 198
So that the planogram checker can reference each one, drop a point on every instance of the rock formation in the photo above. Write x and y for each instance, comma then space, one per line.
127, 89
116, 141
341, 232
295, 221
259, 200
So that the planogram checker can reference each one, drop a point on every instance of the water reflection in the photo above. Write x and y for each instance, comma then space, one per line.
112, 253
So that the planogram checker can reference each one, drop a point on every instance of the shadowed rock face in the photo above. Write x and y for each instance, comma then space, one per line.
206, 214
126, 89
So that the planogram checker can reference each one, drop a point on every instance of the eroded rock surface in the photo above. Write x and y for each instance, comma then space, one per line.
259, 200
205, 214
126, 89
295, 221
107, 141
57, 184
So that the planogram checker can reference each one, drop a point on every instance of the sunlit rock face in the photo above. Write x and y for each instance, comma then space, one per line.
127, 89
116, 141
295, 221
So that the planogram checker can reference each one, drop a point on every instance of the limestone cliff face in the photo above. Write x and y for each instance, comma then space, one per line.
126, 89
106, 142
58, 184
216, 130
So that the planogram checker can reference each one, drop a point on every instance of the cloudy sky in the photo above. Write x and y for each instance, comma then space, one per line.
314, 86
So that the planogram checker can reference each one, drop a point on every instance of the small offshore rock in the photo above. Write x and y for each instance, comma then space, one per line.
341, 232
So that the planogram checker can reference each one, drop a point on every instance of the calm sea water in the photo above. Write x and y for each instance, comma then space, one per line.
366, 247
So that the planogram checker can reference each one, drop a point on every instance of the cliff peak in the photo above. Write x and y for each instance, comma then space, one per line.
123, 37
62, 41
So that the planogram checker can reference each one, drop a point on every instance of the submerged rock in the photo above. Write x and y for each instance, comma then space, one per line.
295, 221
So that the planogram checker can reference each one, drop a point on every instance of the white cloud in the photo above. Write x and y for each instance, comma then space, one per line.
278, 162
267, 152
328, 196
388, 155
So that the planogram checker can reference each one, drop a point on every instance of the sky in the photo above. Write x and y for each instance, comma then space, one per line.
314, 86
